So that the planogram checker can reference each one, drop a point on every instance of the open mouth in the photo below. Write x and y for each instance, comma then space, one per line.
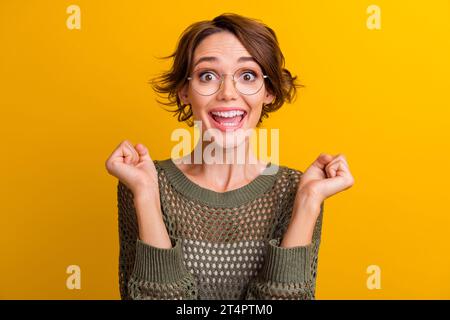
228, 120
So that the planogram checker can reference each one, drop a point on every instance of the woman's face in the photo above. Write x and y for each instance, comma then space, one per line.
223, 53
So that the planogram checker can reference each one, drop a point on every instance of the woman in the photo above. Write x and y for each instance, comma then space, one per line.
230, 230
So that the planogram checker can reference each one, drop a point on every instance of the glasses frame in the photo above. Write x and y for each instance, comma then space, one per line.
222, 79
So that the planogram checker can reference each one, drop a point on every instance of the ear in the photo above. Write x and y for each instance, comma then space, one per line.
183, 94
268, 98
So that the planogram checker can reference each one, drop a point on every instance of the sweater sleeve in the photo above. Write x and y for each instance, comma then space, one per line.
288, 273
147, 272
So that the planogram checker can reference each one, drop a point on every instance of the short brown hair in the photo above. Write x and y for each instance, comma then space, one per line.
259, 40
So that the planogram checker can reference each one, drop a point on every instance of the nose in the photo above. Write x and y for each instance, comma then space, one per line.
227, 88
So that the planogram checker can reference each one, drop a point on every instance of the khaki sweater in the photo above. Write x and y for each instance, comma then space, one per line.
224, 245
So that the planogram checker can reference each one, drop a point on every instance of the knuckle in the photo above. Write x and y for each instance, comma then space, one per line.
126, 142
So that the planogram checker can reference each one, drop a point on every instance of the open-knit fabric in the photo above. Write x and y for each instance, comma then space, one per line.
224, 245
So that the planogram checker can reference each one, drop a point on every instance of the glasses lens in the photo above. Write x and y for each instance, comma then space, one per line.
205, 82
247, 81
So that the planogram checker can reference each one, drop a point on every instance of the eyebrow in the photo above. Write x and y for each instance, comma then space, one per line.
214, 59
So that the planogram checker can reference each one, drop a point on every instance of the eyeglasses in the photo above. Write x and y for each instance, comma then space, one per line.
208, 82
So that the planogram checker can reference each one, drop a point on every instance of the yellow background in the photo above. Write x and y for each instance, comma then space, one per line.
381, 97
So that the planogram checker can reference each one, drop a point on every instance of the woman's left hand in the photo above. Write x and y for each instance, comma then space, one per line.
326, 176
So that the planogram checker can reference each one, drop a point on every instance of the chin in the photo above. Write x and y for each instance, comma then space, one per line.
229, 139
227, 136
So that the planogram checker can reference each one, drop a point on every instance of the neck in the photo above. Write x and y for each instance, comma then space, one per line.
232, 169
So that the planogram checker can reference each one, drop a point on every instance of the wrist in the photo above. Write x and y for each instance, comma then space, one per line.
146, 199
146, 192
307, 207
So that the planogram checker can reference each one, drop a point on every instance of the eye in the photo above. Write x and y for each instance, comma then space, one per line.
248, 76
207, 76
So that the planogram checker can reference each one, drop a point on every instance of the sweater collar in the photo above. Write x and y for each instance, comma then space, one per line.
232, 198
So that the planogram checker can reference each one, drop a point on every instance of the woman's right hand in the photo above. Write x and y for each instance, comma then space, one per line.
134, 167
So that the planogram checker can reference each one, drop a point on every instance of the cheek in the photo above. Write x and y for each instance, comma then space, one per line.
199, 104
256, 109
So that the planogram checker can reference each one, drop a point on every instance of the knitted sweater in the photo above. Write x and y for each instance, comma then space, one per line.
225, 245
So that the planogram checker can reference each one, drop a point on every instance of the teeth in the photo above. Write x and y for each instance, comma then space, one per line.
228, 114
229, 124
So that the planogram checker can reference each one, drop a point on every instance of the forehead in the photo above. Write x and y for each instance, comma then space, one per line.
224, 46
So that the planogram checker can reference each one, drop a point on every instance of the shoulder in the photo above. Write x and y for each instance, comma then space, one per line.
290, 176
162, 164
292, 172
